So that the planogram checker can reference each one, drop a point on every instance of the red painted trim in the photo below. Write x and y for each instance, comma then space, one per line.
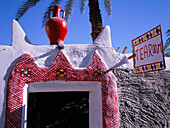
145, 40
16, 83
149, 64
162, 48
148, 71
147, 33
133, 48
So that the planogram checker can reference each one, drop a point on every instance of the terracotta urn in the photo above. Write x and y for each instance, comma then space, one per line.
56, 27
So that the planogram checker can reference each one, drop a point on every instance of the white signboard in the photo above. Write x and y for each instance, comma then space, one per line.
148, 49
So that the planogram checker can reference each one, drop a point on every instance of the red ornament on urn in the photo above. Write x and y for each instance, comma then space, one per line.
56, 27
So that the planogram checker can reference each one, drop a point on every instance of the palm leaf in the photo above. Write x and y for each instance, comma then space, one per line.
68, 9
167, 54
167, 44
168, 49
108, 7
45, 15
168, 32
24, 8
82, 5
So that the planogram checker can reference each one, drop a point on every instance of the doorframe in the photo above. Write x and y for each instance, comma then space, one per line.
26, 71
95, 97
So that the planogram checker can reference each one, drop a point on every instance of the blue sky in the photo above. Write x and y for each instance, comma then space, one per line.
130, 19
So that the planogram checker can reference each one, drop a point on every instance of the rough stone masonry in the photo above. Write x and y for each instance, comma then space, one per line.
143, 99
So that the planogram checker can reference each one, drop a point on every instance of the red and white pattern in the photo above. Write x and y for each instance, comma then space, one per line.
16, 83
148, 51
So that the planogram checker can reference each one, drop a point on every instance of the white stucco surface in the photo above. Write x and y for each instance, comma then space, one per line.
80, 56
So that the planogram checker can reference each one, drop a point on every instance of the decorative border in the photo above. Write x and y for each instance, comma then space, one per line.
146, 36
157, 66
149, 67
17, 81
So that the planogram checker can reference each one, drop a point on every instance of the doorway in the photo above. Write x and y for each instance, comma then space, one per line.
58, 110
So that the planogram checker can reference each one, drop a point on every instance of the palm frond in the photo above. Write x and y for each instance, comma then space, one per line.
108, 7
45, 15
68, 9
167, 54
168, 32
82, 5
24, 8
167, 44
168, 49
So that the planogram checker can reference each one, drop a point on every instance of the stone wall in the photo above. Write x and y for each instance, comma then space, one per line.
143, 99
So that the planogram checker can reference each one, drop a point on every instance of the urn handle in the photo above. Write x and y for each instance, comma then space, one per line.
63, 13
49, 13
62, 10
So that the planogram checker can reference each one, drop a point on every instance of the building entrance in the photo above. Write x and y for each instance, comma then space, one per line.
58, 110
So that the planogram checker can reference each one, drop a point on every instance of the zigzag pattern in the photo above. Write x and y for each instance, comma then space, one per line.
18, 78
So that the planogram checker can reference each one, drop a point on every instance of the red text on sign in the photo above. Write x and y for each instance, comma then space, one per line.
148, 50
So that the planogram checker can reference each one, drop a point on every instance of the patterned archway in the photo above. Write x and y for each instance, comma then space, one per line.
27, 71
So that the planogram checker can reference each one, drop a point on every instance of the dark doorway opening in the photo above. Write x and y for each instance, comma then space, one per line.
58, 110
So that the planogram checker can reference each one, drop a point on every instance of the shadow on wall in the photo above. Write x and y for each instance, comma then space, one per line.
15, 118
51, 55
2, 121
27, 40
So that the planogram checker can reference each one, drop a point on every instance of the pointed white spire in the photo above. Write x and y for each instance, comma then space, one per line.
18, 36
104, 37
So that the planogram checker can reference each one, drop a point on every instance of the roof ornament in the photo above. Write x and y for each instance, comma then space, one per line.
56, 27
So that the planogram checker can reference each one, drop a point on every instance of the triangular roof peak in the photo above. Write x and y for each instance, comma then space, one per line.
18, 36
104, 37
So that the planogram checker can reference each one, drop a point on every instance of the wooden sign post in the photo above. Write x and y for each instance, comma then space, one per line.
148, 49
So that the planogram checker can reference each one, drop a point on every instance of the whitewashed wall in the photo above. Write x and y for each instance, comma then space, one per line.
80, 55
